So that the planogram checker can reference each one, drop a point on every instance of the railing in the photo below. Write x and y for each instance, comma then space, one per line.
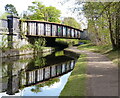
48, 29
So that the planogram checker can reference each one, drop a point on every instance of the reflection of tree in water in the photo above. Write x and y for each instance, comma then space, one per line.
37, 62
4, 69
47, 83
36, 90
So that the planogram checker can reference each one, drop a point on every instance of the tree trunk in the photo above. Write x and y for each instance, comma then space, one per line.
111, 35
117, 25
111, 31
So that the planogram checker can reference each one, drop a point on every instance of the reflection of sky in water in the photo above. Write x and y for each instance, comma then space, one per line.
53, 90
4, 94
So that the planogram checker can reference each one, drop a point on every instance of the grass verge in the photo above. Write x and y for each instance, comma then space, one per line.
105, 50
76, 82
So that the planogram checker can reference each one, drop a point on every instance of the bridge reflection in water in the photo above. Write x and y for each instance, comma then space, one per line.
18, 78
43, 74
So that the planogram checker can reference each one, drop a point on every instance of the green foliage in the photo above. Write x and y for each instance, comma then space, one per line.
69, 42
70, 21
51, 14
85, 41
39, 61
37, 46
38, 11
104, 49
9, 8
76, 83
98, 27
36, 90
59, 53
4, 43
26, 47
103, 22
4, 15
39, 43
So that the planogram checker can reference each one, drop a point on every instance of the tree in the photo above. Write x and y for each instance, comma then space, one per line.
103, 21
40, 12
36, 11
98, 27
71, 22
4, 15
51, 14
9, 8
104, 17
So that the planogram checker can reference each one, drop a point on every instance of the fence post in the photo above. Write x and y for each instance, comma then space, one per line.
13, 26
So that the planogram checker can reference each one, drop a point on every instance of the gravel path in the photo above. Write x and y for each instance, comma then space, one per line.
102, 74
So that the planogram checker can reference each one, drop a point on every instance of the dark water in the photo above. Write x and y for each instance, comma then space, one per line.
35, 75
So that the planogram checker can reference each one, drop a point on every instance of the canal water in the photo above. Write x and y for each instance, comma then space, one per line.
35, 75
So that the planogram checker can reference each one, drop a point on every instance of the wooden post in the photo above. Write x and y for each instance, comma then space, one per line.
44, 74
51, 29
61, 68
57, 30
62, 31
77, 34
36, 75
70, 65
50, 71
66, 31
28, 29
70, 32
65, 67
36, 28
45, 29
56, 69
74, 33
27, 78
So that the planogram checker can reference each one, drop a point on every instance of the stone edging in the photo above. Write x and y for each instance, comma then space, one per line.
15, 52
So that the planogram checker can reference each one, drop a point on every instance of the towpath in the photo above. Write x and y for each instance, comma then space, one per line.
102, 74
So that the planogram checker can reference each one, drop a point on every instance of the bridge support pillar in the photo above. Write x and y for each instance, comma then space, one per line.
13, 28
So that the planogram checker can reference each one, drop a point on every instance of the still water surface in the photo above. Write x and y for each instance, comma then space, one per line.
35, 75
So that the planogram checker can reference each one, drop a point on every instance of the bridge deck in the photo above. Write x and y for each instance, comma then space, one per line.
48, 29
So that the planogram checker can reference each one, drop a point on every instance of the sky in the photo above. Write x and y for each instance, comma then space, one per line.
22, 5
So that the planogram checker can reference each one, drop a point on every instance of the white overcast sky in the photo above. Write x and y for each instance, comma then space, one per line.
22, 5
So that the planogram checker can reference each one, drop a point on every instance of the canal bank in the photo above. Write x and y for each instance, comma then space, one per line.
18, 52
94, 75
76, 85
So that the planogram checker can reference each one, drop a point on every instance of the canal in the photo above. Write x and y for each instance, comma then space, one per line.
35, 75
